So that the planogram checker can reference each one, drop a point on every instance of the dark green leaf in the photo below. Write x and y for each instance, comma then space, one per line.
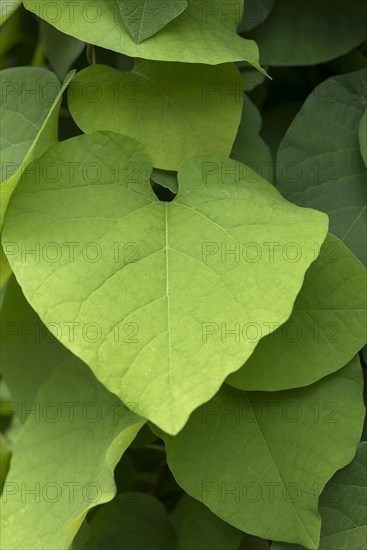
319, 161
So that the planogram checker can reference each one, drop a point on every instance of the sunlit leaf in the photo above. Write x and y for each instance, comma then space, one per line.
74, 433
326, 329
30, 102
146, 17
148, 278
204, 33
177, 111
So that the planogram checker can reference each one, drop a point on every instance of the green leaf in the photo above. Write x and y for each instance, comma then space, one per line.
79, 419
204, 33
319, 161
5, 269
137, 521
60, 49
11, 34
250, 542
6, 408
335, 27
326, 329
26, 349
250, 76
143, 18
5, 455
7, 8
146, 272
175, 110
30, 104
256, 11
343, 508
259, 460
67, 413
199, 529
132, 521
249, 147
362, 134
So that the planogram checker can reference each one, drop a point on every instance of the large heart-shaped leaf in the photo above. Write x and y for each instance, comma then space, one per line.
146, 17
326, 329
30, 102
138, 277
259, 460
306, 33
177, 111
204, 33
319, 161
74, 433
343, 508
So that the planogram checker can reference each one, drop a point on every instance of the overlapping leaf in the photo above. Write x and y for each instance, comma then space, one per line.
137, 521
150, 276
60, 49
335, 27
198, 528
7, 8
29, 351
204, 33
5, 269
259, 460
326, 329
132, 521
319, 161
256, 11
362, 134
75, 434
30, 102
143, 18
250, 76
165, 178
64, 489
5, 455
177, 111
343, 508
249, 147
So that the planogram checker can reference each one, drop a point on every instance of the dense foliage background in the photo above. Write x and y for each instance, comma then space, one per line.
145, 145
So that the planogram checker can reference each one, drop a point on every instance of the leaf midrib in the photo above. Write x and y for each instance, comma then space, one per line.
276, 467
167, 295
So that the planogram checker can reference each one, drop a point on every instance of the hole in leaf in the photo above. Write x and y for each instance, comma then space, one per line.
164, 184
